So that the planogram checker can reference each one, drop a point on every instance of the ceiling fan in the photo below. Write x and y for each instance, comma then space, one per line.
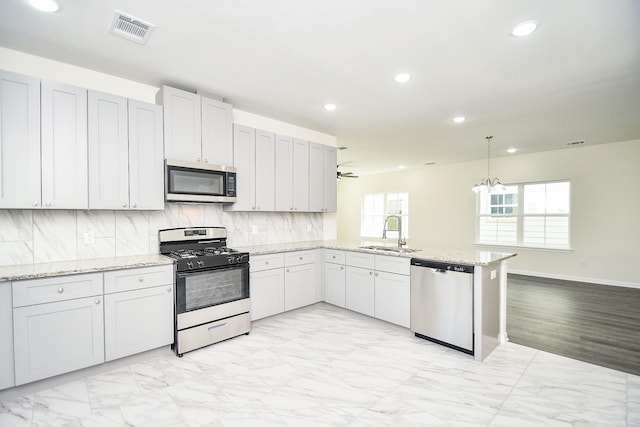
341, 175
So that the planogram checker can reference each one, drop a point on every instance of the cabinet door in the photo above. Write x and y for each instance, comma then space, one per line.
64, 146
59, 337
359, 295
182, 124
137, 321
265, 171
19, 141
330, 181
108, 151
146, 156
267, 293
284, 173
316, 177
334, 284
244, 152
300, 175
6, 337
217, 132
392, 298
299, 286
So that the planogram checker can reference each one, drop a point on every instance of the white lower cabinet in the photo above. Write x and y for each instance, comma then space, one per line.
7, 378
266, 285
359, 295
300, 279
392, 298
267, 293
137, 321
334, 277
57, 337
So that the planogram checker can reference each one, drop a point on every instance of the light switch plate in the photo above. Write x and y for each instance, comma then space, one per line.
494, 274
254, 229
90, 236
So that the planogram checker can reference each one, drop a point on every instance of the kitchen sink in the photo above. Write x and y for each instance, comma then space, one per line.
389, 249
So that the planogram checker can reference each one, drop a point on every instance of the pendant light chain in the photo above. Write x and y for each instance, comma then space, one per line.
489, 156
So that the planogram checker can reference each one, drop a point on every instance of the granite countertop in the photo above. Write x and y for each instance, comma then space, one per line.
464, 257
61, 268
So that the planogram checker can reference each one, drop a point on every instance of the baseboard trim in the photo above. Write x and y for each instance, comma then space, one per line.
596, 281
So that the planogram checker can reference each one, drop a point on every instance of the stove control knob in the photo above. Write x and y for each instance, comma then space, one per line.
230, 260
190, 265
200, 264
239, 259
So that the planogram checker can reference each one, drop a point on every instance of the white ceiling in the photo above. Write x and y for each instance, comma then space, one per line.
576, 78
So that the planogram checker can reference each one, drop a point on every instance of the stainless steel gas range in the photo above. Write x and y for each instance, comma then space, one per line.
212, 287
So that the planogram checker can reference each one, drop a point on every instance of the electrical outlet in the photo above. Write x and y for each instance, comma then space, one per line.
308, 227
90, 236
494, 274
583, 263
254, 229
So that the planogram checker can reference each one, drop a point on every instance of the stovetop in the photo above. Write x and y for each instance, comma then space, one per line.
199, 248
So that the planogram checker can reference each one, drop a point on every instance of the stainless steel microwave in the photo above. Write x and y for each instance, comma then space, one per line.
199, 182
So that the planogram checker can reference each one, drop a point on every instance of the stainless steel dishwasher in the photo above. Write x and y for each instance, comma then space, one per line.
442, 303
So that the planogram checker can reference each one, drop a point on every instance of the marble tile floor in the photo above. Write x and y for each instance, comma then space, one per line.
325, 366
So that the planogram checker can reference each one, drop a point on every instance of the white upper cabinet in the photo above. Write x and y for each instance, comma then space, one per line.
125, 153
245, 154
265, 177
64, 146
330, 182
182, 124
196, 128
284, 173
316, 177
108, 151
217, 132
146, 156
19, 141
300, 175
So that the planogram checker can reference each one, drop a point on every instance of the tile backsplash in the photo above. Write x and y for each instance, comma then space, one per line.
28, 236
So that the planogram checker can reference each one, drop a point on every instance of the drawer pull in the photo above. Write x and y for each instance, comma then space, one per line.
60, 290
140, 279
169, 290
98, 301
370, 273
300, 258
216, 326
266, 263
334, 257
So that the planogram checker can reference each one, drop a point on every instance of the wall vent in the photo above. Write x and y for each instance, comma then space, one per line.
131, 28
575, 142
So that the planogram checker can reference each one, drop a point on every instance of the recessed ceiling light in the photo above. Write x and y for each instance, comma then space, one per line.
330, 107
45, 5
402, 77
459, 119
511, 150
524, 28
401, 167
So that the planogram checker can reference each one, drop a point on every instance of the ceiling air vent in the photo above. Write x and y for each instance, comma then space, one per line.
131, 28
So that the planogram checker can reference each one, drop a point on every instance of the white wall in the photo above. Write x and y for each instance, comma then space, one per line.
605, 224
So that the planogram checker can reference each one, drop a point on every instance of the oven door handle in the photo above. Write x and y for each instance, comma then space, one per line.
222, 325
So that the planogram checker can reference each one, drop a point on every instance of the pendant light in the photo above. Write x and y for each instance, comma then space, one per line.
488, 184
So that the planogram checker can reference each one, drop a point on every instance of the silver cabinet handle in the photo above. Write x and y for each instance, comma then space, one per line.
370, 273
253, 208
169, 290
266, 263
124, 205
197, 159
217, 326
206, 160
35, 204
376, 274
287, 270
98, 301
141, 279
334, 257
135, 205
341, 268
60, 290
300, 258
258, 208
48, 204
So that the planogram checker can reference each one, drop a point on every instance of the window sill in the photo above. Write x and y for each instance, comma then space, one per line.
528, 248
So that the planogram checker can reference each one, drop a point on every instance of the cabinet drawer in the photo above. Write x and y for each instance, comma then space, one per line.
333, 256
137, 278
52, 289
393, 264
266, 262
299, 258
359, 259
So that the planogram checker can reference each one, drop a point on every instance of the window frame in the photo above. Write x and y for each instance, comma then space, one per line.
403, 214
520, 216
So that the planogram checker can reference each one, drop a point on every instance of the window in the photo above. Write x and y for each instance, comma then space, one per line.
375, 210
530, 215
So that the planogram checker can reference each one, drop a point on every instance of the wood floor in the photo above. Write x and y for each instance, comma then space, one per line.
594, 323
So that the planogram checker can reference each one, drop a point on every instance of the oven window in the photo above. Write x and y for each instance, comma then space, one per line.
186, 181
215, 287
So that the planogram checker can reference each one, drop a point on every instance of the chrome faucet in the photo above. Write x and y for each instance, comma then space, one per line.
401, 241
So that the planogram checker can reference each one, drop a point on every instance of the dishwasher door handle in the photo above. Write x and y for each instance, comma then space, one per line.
439, 270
